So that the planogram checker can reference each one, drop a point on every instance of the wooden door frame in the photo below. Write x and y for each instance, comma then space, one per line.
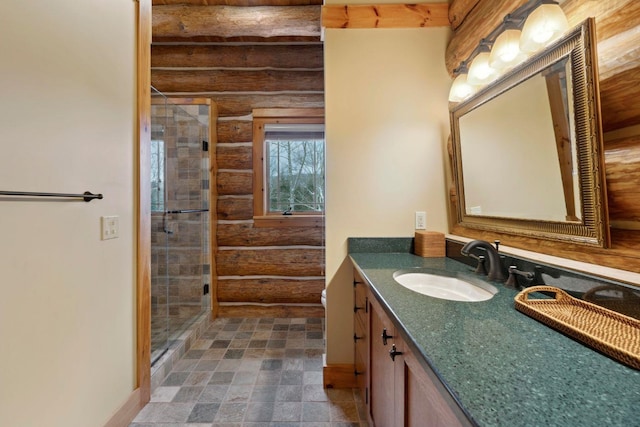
143, 288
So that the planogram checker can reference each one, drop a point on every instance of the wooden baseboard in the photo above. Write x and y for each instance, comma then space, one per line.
270, 310
339, 376
128, 411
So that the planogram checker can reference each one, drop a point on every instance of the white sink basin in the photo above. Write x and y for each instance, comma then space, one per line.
444, 286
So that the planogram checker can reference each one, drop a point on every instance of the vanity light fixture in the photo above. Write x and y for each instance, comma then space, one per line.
542, 22
544, 25
506, 51
480, 73
461, 89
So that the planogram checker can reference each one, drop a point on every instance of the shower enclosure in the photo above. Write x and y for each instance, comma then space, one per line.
180, 229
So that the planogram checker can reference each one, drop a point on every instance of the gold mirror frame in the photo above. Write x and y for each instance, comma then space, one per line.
579, 45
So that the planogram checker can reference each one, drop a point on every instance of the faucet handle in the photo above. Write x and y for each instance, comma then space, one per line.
512, 281
481, 268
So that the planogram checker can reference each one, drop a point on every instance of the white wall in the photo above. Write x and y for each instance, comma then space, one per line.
67, 299
386, 128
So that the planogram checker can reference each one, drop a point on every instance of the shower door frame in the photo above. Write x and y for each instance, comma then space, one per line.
213, 193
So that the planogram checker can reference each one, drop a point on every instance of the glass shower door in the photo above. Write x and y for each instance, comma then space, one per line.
180, 222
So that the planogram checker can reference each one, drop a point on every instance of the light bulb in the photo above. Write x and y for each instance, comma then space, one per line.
544, 25
506, 50
460, 89
480, 72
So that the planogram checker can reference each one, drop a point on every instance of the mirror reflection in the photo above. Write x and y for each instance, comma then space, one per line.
530, 155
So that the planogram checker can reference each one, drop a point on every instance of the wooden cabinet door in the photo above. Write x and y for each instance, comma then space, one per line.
422, 398
381, 369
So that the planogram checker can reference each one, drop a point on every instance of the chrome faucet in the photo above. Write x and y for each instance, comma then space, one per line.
495, 265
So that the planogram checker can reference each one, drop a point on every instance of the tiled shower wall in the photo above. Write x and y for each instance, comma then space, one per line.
180, 258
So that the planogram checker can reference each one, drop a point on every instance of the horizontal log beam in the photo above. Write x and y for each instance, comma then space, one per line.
232, 157
296, 262
187, 22
622, 165
248, 235
386, 16
458, 11
230, 131
235, 208
270, 290
274, 310
619, 100
237, 2
241, 104
236, 80
618, 53
234, 183
235, 56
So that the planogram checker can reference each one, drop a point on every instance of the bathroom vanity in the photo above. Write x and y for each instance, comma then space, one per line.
424, 361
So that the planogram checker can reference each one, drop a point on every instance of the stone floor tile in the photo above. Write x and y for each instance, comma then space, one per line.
203, 413
289, 393
238, 393
200, 377
259, 412
316, 411
213, 393
188, 394
287, 411
275, 381
231, 412
264, 393
221, 378
164, 394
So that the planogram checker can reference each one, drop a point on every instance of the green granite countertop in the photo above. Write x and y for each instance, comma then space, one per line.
503, 367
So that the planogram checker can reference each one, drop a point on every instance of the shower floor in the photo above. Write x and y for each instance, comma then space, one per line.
164, 331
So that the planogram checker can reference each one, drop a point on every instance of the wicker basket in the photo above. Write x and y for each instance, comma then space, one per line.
609, 332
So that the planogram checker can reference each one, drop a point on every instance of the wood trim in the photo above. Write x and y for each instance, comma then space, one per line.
143, 288
128, 411
386, 15
339, 376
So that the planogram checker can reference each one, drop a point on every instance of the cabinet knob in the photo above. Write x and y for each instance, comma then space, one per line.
356, 338
393, 353
385, 336
356, 308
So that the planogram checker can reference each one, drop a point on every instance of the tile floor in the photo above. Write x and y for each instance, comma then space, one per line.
253, 372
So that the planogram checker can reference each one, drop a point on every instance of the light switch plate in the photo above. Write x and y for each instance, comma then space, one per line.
110, 227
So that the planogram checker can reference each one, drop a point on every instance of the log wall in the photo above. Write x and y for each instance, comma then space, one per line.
618, 35
261, 271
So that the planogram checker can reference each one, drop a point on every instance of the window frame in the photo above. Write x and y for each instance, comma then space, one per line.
261, 117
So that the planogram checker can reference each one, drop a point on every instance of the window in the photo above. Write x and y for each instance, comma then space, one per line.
289, 169
157, 175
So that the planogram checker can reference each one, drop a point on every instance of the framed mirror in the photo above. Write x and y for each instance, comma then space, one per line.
527, 149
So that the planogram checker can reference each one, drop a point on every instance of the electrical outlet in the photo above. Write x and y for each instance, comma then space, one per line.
421, 220
110, 227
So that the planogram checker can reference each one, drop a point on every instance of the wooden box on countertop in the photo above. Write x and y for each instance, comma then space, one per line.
430, 244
